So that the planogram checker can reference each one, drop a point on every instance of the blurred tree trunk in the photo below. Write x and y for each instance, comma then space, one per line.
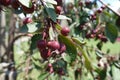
11, 35
2, 35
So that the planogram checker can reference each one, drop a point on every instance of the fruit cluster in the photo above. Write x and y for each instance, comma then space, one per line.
97, 34
15, 4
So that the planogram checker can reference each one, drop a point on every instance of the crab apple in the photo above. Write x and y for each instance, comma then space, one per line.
61, 71
94, 31
28, 10
58, 9
80, 3
103, 6
81, 27
104, 39
15, 4
50, 68
41, 44
45, 53
93, 17
27, 20
87, 2
65, 31
62, 47
59, 2
70, 6
99, 10
88, 35
53, 44
5, 2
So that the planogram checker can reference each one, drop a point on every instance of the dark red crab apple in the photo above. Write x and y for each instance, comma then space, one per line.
5, 2
53, 44
15, 4
41, 44
62, 47
45, 53
58, 9
27, 20
65, 31
59, 2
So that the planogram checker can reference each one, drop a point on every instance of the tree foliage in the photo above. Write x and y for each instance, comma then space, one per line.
62, 47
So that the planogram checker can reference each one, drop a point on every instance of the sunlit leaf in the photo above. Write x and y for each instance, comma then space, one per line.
63, 17
25, 2
51, 1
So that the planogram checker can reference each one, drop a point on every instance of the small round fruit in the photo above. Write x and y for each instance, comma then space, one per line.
70, 6
81, 27
41, 44
27, 20
87, 2
88, 35
62, 48
5, 2
104, 39
28, 10
15, 4
60, 71
93, 17
58, 9
103, 6
45, 53
53, 44
80, 3
59, 2
65, 31
99, 10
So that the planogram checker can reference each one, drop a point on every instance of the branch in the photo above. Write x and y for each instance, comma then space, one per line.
109, 7
11, 43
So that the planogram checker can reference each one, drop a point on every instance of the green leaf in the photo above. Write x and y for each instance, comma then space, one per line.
88, 63
67, 58
117, 22
115, 73
31, 27
43, 76
34, 40
63, 17
25, 2
51, 11
111, 32
51, 2
37, 66
71, 49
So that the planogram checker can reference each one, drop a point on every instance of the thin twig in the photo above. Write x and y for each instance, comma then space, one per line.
109, 7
